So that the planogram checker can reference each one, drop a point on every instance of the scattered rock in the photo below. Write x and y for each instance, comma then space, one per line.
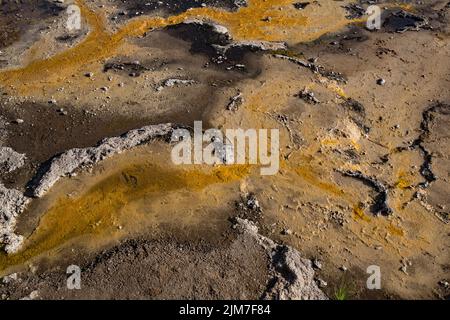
401, 21
337, 218
381, 82
354, 10
62, 112
10, 278
404, 267
249, 206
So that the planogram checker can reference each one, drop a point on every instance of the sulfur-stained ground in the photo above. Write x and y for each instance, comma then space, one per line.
364, 164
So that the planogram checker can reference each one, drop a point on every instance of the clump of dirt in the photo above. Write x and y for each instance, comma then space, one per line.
402, 21
369, 117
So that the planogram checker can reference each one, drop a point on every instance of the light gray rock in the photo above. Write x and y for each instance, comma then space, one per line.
12, 203
240, 3
257, 45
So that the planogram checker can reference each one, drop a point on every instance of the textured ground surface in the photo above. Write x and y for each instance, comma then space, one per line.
364, 170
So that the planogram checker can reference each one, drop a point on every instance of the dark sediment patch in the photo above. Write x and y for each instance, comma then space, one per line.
132, 68
432, 14
206, 39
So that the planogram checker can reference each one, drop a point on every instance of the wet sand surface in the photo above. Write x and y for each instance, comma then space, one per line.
364, 166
